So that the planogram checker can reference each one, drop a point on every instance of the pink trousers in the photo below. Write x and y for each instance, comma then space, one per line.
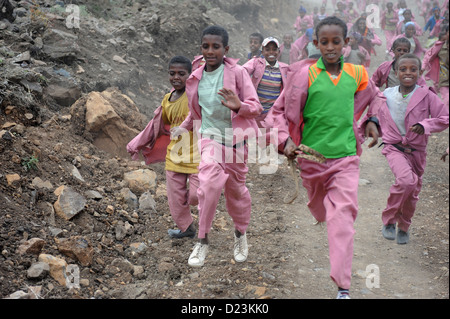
333, 198
223, 168
180, 198
404, 194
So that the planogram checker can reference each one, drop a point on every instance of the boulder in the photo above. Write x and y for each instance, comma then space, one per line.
32, 246
69, 203
63, 94
141, 180
57, 267
38, 270
77, 248
110, 118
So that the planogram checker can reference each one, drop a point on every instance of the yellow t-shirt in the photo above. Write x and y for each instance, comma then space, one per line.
182, 154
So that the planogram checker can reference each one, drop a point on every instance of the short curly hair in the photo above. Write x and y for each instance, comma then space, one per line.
217, 30
332, 20
179, 59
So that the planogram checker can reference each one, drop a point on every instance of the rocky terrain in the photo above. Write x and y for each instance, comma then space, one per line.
73, 205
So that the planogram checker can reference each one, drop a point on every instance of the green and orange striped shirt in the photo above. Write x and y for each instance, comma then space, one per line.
329, 111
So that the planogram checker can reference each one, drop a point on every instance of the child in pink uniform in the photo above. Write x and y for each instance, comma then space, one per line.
435, 63
407, 120
385, 74
155, 144
315, 114
410, 34
221, 98
389, 20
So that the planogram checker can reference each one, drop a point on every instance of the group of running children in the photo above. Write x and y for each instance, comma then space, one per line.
322, 101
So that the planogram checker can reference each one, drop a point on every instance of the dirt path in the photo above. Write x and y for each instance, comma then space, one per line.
404, 271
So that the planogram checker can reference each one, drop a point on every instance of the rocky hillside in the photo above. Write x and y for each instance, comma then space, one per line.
71, 97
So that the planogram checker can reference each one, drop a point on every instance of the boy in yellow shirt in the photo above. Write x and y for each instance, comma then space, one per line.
181, 155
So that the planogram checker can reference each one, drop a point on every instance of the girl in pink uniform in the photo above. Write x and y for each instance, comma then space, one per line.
322, 101
407, 120
223, 106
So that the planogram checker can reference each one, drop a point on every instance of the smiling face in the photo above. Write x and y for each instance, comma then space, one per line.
408, 71
330, 42
270, 52
213, 51
178, 74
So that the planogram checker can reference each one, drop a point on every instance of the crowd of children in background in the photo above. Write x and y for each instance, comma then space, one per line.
286, 85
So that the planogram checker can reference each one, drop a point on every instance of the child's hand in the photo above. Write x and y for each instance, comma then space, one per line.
372, 131
418, 129
232, 101
176, 132
290, 149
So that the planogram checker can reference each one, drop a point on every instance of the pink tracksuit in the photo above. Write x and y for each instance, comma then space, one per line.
427, 109
332, 187
152, 142
431, 66
216, 170
389, 34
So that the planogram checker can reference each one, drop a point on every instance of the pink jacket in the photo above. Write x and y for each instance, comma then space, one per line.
294, 54
430, 63
286, 114
437, 28
256, 66
237, 79
381, 74
425, 108
347, 49
152, 141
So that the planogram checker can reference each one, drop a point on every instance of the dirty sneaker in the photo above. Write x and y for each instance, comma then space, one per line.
240, 248
198, 255
388, 231
176, 233
343, 294
402, 237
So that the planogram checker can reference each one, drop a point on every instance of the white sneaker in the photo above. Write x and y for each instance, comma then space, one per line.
343, 295
240, 248
198, 255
